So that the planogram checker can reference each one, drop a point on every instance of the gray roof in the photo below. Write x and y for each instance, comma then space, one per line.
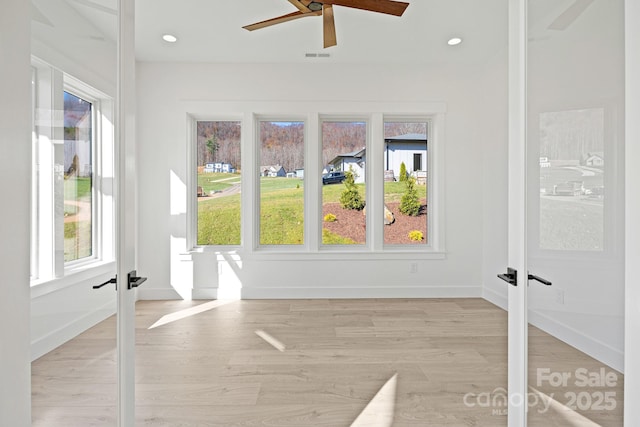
356, 154
408, 137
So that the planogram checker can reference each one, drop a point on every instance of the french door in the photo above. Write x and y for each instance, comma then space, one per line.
566, 221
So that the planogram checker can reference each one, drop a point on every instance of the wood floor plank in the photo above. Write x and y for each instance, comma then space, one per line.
201, 363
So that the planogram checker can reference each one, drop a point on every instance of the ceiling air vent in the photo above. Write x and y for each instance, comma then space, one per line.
317, 55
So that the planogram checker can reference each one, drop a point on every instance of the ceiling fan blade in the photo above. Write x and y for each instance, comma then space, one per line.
389, 7
38, 16
329, 27
280, 19
97, 6
300, 5
572, 13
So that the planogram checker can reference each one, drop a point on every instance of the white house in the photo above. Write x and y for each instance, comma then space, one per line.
272, 171
354, 161
410, 149
218, 167
480, 104
593, 159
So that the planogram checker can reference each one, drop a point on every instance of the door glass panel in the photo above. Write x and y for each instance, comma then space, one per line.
73, 327
575, 231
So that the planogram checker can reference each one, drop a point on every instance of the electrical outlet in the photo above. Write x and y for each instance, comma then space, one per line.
560, 296
413, 268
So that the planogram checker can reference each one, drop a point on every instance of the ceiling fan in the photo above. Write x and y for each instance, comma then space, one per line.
324, 8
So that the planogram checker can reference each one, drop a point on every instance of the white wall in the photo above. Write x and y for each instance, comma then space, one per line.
495, 180
168, 92
15, 156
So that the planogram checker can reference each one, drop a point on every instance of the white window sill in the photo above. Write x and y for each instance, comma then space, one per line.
91, 273
327, 254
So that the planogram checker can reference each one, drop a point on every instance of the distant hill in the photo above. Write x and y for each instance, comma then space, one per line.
283, 142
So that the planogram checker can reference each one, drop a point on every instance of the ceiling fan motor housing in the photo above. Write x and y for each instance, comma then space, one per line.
315, 6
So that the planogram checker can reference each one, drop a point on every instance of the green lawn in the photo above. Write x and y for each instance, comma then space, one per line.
281, 210
571, 224
77, 240
77, 188
77, 234
219, 221
393, 191
217, 181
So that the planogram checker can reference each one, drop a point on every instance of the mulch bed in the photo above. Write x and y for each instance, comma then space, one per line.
351, 224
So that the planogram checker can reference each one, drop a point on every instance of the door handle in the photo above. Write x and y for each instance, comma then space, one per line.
112, 280
511, 277
133, 281
539, 279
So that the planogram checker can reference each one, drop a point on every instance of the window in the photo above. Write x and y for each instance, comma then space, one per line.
405, 187
417, 161
344, 182
78, 171
301, 168
572, 180
281, 172
219, 182
72, 214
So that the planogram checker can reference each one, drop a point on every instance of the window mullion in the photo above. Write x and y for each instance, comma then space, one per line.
375, 171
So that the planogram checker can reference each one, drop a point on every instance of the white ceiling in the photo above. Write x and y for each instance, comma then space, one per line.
211, 30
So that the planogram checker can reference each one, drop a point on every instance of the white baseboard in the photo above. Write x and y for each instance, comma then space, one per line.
151, 294
154, 294
600, 351
204, 293
495, 298
390, 292
606, 354
324, 292
57, 337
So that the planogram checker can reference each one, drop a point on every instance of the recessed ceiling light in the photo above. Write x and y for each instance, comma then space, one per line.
169, 38
454, 41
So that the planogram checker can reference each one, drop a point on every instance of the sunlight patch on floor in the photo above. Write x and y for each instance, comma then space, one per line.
571, 418
379, 412
271, 340
191, 311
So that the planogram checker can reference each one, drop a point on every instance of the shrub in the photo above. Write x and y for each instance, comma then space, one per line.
410, 203
403, 172
350, 197
416, 235
329, 217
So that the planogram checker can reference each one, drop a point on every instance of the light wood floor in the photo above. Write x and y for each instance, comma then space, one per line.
374, 363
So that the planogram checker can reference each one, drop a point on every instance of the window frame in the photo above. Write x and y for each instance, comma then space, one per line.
192, 181
374, 113
47, 228
345, 118
435, 227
